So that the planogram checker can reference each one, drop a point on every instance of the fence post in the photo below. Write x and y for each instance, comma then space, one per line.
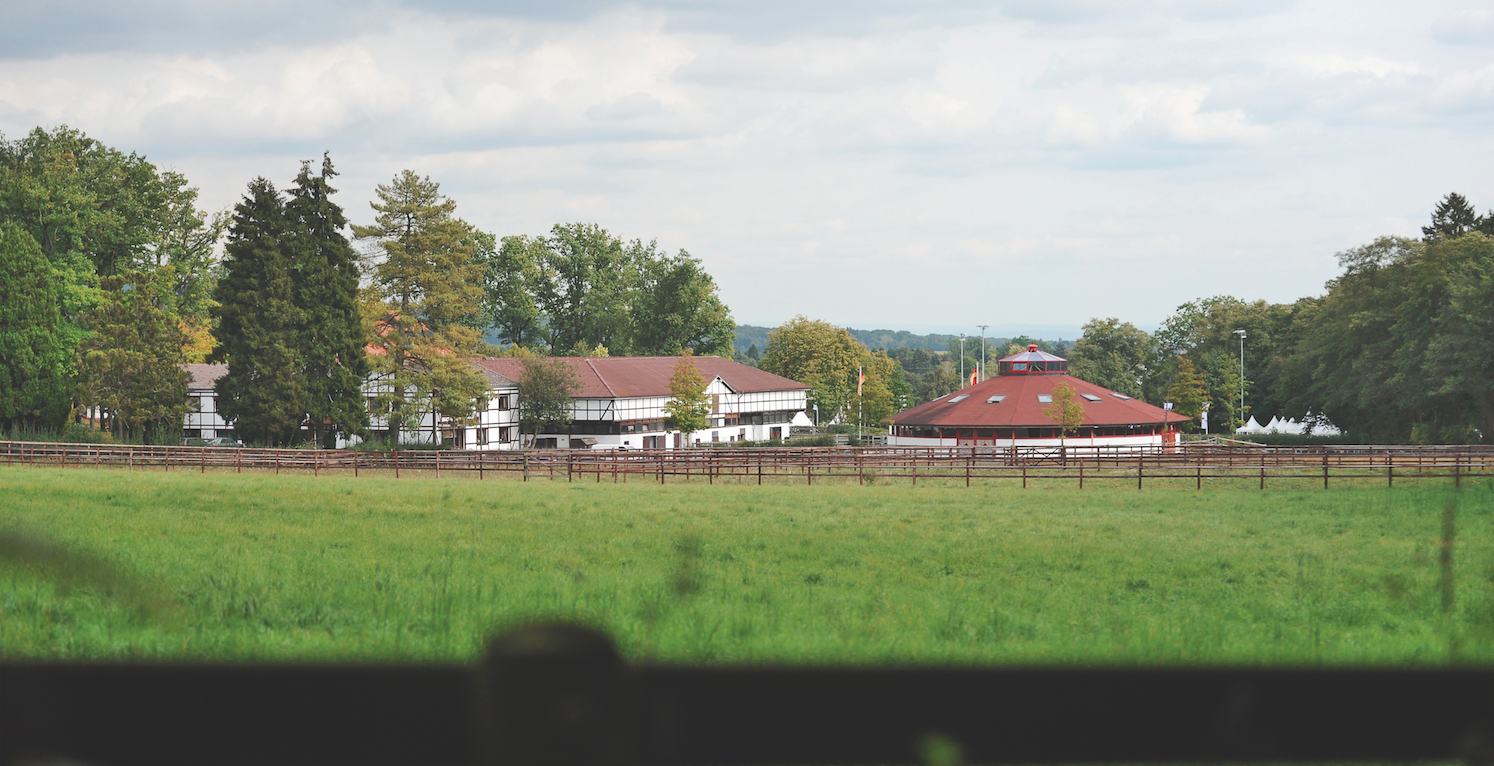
438, 462
1140, 468
316, 464
661, 466
277, 462
1081, 476
526, 466
1024, 472
355, 465
238, 460
1457, 476
130, 459
1263, 470
396, 463
1389, 468
568, 458
969, 457
1325, 469
1200, 478
203, 467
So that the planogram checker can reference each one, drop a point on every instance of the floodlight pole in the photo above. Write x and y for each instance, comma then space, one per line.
983, 350
1241, 333
962, 361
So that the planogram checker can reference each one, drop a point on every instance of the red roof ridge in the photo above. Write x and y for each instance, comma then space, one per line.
598, 373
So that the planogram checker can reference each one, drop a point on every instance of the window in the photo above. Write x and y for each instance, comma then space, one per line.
997, 399
1091, 397
1120, 396
503, 403
505, 435
1016, 366
960, 398
482, 435
1045, 399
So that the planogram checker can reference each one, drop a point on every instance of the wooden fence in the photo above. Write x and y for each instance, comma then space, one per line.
1170, 466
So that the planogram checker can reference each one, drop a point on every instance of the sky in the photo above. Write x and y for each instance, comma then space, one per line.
922, 166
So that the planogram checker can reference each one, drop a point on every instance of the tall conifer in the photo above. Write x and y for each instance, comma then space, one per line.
331, 339
259, 323
31, 391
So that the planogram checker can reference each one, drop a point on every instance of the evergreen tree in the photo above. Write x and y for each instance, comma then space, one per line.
1187, 392
259, 323
1453, 217
425, 298
689, 409
130, 366
331, 341
31, 363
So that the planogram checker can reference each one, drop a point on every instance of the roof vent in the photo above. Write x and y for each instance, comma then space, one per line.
1032, 347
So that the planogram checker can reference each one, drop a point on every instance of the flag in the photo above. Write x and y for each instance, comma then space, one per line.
975, 376
860, 379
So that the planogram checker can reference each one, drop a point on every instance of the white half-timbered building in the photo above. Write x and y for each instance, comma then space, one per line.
620, 402
495, 425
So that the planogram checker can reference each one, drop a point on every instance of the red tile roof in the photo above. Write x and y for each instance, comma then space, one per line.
625, 377
1021, 407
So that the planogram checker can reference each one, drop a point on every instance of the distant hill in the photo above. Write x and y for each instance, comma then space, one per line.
748, 335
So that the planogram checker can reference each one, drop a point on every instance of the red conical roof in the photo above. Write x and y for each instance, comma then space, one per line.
1018, 405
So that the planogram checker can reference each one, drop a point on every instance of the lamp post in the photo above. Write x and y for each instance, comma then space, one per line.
983, 350
962, 361
1241, 333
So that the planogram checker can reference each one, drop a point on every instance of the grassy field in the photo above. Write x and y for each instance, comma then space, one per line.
257, 566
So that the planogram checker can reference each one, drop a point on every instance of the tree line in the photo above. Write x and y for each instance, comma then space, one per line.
1399, 348
114, 279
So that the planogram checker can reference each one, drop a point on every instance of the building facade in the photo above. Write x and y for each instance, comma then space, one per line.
620, 402
620, 405
1010, 410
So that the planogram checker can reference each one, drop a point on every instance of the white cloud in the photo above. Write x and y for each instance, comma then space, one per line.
920, 160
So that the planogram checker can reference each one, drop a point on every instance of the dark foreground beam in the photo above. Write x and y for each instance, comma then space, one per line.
562, 696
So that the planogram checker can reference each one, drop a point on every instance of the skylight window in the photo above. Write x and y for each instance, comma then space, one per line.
1044, 399
960, 398
1091, 397
997, 399
940, 399
1120, 396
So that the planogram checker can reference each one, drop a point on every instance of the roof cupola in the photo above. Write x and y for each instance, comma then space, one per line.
1032, 362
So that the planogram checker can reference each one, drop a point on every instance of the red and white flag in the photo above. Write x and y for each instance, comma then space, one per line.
860, 379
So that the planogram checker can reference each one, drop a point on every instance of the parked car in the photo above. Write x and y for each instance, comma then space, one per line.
223, 441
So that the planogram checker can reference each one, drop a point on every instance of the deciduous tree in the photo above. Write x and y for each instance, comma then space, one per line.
689, 409
1065, 410
546, 388
130, 365
1187, 392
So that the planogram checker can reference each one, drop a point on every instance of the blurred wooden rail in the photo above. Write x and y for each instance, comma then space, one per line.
1170, 466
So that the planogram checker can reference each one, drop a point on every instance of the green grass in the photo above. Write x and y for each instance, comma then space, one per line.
292, 567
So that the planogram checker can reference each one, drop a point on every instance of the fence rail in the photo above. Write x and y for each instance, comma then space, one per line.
1172, 465
552, 695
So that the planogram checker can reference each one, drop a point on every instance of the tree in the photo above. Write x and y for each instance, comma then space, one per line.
510, 276
1453, 217
1065, 410
1187, 393
331, 340
260, 323
95, 211
588, 282
425, 297
678, 309
820, 355
31, 350
1113, 354
130, 366
546, 388
689, 409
